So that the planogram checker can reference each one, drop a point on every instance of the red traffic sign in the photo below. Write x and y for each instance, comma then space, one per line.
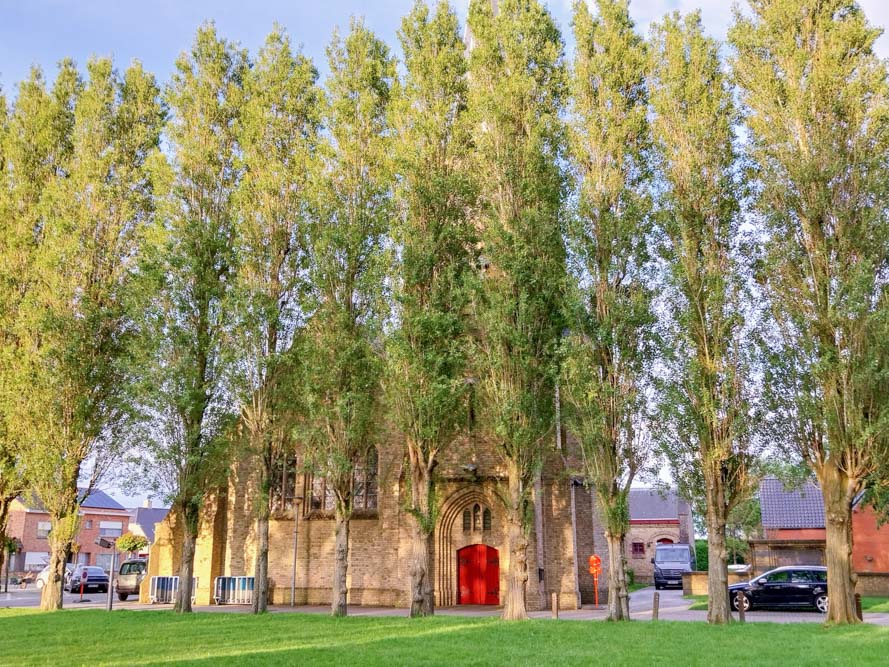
595, 564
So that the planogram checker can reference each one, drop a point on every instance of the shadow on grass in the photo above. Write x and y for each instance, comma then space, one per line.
161, 637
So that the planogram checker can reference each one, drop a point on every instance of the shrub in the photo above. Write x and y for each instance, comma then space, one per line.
128, 543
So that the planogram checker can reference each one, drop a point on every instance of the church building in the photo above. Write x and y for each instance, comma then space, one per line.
470, 559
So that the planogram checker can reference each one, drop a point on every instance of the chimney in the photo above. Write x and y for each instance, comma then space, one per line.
147, 503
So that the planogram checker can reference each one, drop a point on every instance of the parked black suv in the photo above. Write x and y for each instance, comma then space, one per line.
804, 586
670, 561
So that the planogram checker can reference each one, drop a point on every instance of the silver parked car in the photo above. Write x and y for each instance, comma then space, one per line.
43, 577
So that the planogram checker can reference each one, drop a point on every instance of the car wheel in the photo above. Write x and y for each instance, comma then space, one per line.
821, 603
122, 597
39, 584
736, 600
657, 587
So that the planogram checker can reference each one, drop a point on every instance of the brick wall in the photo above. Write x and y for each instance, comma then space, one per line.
380, 541
648, 534
870, 547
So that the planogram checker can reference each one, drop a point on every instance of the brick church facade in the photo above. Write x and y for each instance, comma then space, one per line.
470, 561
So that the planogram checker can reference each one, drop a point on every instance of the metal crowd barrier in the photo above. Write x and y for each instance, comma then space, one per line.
233, 590
162, 590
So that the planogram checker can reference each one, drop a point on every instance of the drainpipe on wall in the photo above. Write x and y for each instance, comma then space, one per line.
574, 540
538, 528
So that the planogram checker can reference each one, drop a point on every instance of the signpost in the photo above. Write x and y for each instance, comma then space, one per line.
596, 570
109, 544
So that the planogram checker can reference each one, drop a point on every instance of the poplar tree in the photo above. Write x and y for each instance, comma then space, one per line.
341, 360
516, 88
609, 351
187, 402
81, 230
427, 353
706, 400
11, 478
816, 99
278, 133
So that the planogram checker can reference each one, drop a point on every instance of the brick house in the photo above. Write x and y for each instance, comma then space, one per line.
29, 523
794, 528
470, 539
656, 517
143, 521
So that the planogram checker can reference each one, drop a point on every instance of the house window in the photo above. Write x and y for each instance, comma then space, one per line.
89, 524
364, 488
104, 561
638, 550
283, 485
110, 528
43, 528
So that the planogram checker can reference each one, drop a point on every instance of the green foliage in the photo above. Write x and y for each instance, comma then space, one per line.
79, 200
825, 253
706, 400
277, 135
347, 264
433, 273
702, 555
188, 310
128, 543
516, 91
610, 349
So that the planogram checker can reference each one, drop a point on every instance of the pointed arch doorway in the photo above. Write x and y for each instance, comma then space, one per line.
478, 575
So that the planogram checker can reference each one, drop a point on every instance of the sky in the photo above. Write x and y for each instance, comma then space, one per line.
42, 32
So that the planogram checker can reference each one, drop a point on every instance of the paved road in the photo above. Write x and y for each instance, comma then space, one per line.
672, 607
30, 597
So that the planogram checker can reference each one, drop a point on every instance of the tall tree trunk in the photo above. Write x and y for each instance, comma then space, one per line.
422, 591
514, 606
261, 571
718, 610
186, 563
51, 595
61, 535
618, 595
839, 492
340, 565
5, 502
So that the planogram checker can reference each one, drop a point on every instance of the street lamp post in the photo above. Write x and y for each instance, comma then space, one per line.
110, 544
297, 500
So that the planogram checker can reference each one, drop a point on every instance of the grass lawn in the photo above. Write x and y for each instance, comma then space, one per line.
636, 587
94, 637
875, 604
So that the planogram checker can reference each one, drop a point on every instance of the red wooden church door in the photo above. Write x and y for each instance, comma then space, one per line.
478, 575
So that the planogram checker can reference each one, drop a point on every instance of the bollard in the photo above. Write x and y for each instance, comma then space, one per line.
654, 609
555, 605
742, 602
858, 610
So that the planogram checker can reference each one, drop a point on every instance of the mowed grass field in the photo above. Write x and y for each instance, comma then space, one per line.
94, 637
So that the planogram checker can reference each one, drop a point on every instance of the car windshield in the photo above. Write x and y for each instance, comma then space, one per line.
94, 570
132, 568
671, 555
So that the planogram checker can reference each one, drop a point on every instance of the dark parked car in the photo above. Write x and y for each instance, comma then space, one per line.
93, 578
130, 577
801, 586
